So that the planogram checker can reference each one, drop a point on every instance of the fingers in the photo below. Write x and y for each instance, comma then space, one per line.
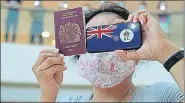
130, 17
45, 53
43, 56
137, 14
59, 76
121, 53
61, 56
54, 69
49, 62
50, 51
140, 15
137, 62
134, 17
128, 55
143, 18
146, 17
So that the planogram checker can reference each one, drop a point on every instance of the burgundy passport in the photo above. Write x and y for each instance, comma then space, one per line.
70, 31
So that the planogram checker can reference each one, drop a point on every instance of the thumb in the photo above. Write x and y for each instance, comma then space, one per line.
127, 55
59, 76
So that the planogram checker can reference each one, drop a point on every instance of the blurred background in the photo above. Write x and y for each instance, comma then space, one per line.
28, 26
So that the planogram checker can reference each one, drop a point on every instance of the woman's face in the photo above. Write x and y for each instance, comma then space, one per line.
104, 18
104, 69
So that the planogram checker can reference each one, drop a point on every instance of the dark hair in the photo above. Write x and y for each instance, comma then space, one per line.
106, 7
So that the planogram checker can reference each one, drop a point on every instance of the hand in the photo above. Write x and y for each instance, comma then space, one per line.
49, 69
156, 45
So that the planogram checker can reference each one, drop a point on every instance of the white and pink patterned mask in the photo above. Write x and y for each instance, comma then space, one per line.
105, 70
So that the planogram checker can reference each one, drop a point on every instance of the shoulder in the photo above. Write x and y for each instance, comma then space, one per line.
164, 86
80, 97
168, 92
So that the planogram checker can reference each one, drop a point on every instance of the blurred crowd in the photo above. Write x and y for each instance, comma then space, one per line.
37, 15
12, 20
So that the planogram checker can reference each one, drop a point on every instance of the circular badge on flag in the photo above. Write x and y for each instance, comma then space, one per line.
126, 35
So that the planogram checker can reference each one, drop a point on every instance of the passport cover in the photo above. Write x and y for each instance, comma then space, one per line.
70, 32
125, 36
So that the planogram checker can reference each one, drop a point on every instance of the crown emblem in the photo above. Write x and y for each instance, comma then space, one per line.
69, 33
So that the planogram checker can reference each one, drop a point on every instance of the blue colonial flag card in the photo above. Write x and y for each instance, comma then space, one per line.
124, 36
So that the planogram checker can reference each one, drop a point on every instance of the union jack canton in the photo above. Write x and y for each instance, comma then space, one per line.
99, 31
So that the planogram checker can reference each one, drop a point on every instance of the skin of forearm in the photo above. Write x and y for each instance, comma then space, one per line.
177, 71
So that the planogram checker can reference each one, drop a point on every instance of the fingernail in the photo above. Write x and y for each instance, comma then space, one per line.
65, 68
61, 56
134, 21
56, 51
